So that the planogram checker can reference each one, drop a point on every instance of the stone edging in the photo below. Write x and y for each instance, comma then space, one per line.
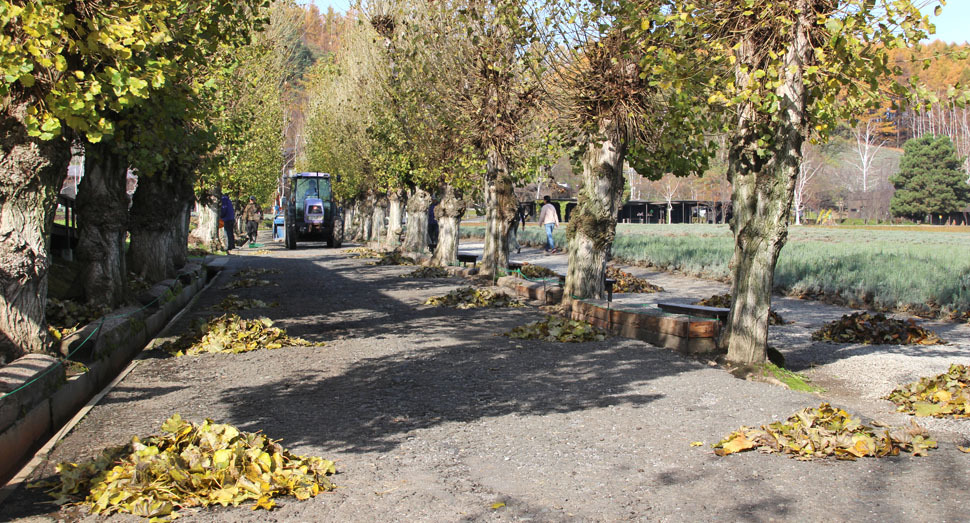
29, 417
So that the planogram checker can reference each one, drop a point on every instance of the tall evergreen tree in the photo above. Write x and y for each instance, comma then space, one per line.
930, 179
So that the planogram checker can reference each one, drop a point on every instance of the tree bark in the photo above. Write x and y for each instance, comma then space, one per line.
102, 207
157, 215
366, 218
206, 234
378, 230
349, 217
500, 207
416, 237
395, 212
592, 225
763, 187
448, 213
31, 173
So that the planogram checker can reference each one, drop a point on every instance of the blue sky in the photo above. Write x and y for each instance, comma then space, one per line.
952, 26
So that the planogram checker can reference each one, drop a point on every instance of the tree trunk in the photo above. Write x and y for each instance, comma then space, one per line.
102, 207
448, 213
394, 214
763, 187
349, 218
181, 253
500, 207
592, 225
378, 232
206, 234
416, 237
157, 213
366, 218
31, 173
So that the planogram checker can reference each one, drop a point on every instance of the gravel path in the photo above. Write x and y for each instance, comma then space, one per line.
431, 415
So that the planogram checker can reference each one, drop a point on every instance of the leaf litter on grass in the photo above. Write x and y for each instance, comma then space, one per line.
945, 395
875, 329
826, 431
190, 465
557, 328
232, 335
474, 298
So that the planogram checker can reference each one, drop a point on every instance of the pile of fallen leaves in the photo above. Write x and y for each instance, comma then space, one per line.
875, 329
256, 271
628, 283
557, 328
64, 317
190, 465
245, 283
724, 301
946, 395
474, 298
537, 271
233, 302
427, 272
825, 432
363, 252
231, 334
394, 258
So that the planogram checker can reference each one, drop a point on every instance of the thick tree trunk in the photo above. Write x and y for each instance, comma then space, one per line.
31, 173
395, 212
366, 218
206, 234
500, 207
448, 213
592, 225
349, 217
416, 238
157, 214
763, 187
378, 232
181, 253
102, 207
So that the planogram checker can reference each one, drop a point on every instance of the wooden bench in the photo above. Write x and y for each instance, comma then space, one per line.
703, 311
464, 258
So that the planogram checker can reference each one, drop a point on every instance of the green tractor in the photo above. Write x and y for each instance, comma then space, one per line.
310, 211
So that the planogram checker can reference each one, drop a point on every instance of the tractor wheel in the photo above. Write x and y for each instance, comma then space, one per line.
290, 239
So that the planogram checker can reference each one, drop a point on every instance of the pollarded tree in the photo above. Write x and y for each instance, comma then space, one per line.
930, 179
69, 65
620, 110
799, 67
501, 71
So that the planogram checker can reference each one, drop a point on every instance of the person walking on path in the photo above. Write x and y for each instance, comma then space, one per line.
227, 219
549, 219
252, 216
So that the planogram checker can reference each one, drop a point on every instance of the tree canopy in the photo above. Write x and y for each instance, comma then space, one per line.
930, 179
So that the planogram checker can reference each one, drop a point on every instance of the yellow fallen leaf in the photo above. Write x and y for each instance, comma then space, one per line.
498, 505
738, 443
963, 449
696, 443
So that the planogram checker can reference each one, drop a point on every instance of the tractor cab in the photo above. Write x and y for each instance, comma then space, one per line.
310, 209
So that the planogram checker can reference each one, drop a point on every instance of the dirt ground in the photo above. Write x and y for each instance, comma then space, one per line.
432, 415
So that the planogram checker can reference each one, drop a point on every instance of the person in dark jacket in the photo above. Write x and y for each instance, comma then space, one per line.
252, 215
227, 215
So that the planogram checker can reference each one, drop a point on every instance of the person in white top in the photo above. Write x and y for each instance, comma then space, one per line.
549, 219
